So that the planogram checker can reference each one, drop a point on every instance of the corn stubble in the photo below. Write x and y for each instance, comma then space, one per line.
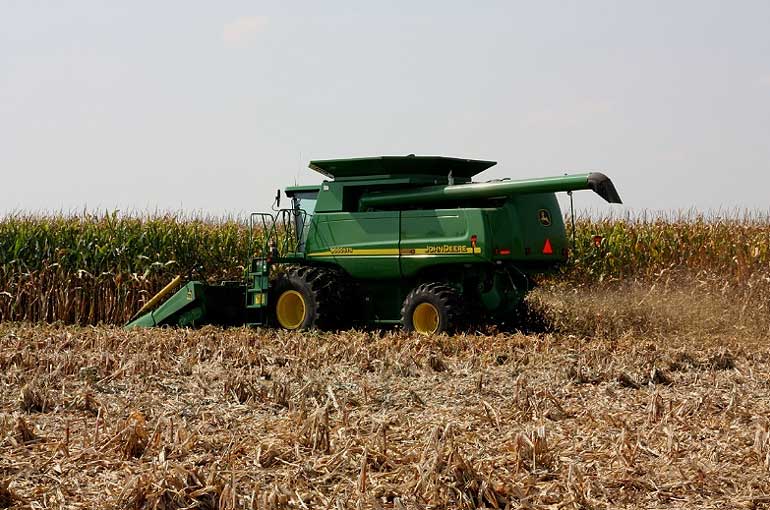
649, 417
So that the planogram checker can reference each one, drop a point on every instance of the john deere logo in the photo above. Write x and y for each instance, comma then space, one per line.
545, 217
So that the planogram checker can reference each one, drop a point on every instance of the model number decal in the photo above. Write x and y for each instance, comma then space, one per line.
341, 251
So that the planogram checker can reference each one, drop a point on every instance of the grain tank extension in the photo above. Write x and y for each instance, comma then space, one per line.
392, 240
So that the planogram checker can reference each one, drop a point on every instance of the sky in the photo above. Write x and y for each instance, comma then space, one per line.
208, 107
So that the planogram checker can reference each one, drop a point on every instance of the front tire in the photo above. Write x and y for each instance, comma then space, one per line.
431, 308
306, 298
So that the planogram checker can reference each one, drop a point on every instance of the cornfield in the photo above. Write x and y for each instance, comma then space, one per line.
99, 268
735, 246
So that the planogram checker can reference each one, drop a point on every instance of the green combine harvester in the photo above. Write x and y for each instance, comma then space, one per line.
406, 240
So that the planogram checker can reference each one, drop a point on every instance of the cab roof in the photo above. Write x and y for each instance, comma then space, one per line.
296, 190
385, 166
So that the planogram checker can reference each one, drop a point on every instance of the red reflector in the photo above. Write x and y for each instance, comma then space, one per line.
547, 249
505, 251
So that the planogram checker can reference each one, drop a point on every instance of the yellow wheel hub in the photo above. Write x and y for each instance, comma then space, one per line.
290, 309
425, 318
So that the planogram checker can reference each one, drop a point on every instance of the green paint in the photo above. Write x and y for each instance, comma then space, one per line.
197, 304
454, 193
391, 223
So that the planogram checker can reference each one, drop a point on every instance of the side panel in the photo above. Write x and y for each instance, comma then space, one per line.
537, 219
364, 244
441, 236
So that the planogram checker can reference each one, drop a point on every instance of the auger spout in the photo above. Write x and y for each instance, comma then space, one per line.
598, 182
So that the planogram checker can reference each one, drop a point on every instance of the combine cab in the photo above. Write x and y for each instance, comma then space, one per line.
391, 240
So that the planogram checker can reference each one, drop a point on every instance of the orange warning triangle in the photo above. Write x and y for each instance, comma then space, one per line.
547, 249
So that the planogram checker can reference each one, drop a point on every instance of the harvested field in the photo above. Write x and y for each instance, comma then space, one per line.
95, 417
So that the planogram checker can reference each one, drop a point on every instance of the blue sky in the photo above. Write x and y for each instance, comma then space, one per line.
210, 106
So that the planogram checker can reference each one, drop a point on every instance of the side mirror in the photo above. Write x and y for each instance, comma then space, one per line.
278, 198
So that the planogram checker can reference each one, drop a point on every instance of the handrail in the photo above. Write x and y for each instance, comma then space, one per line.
282, 228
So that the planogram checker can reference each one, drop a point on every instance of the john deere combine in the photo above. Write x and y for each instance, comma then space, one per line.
390, 240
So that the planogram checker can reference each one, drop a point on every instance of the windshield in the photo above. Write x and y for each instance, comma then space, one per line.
304, 202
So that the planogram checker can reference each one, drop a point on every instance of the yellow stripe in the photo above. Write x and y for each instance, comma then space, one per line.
375, 251
404, 252
351, 252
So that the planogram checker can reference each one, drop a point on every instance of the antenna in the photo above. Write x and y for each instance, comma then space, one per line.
296, 176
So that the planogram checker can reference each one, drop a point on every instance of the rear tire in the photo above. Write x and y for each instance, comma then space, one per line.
306, 298
431, 309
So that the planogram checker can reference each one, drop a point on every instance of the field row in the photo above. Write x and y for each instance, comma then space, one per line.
93, 269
